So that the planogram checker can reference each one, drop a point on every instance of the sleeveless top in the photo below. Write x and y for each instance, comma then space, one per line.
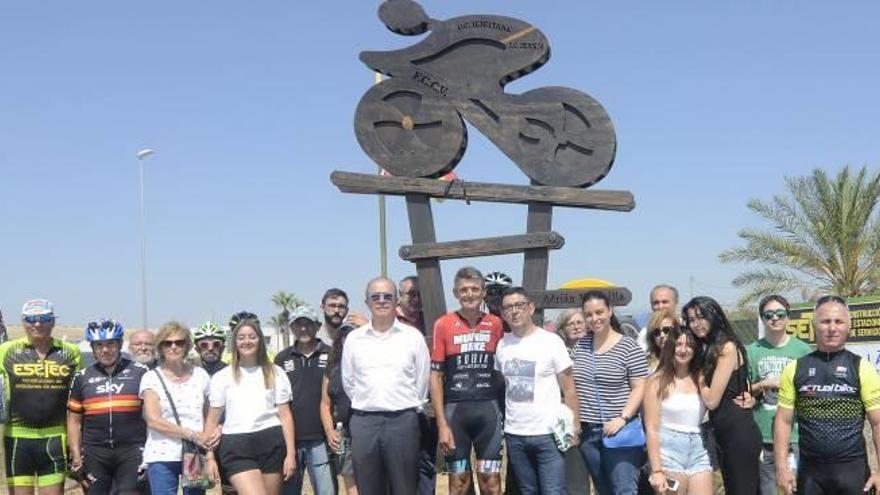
682, 412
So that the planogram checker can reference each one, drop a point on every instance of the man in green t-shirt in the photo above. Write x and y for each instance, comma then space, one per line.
767, 357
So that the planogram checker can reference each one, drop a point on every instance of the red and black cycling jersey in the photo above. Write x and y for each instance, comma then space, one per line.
109, 404
466, 355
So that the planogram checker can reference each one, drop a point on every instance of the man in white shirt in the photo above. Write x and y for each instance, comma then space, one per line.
536, 368
385, 367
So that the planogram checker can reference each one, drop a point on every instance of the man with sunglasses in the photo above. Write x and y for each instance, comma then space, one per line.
305, 362
385, 367
210, 342
409, 303
37, 369
830, 392
767, 358
105, 425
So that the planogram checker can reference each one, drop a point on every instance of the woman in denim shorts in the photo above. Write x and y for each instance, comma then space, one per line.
674, 411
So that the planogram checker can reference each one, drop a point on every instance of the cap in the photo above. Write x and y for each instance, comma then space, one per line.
36, 307
304, 312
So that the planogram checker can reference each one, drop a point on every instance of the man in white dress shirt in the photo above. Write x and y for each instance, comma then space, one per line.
385, 367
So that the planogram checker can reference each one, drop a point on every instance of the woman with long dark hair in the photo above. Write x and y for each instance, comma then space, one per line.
724, 381
336, 411
674, 412
609, 374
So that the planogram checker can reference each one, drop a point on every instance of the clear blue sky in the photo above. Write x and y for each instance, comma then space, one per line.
250, 107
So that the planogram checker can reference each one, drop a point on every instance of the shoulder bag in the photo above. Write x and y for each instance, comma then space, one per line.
633, 433
194, 459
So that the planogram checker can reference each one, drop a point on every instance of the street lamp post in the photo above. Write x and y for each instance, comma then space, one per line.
141, 156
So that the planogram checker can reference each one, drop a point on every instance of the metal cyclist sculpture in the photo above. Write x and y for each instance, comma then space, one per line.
412, 124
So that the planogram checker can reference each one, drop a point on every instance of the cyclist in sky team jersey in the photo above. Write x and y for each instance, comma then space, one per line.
37, 369
464, 387
105, 424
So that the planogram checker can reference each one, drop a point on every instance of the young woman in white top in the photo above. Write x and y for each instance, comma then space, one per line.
188, 388
673, 411
257, 447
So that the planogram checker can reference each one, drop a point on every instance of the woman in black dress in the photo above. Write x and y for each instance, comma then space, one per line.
724, 387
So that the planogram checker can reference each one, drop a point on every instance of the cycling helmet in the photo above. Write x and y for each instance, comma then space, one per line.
207, 330
496, 282
103, 329
240, 317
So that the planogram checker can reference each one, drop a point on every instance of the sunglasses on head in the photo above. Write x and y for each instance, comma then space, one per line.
663, 331
39, 318
178, 343
779, 313
210, 344
381, 297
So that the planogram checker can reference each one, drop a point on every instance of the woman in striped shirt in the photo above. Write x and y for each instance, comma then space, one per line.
609, 374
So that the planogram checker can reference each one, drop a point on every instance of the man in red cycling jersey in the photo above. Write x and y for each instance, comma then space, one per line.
464, 387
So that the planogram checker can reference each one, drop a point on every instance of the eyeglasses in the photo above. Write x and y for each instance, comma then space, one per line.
170, 343
518, 306
39, 319
662, 331
381, 297
210, 344
412, 293
779, 313
575, 323
334, 307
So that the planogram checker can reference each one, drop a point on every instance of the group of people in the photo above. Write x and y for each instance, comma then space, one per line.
369, 399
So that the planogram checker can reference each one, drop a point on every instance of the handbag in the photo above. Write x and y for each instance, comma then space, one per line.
632, 434
194, 459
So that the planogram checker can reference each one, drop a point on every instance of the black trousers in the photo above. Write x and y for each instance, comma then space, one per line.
385, 448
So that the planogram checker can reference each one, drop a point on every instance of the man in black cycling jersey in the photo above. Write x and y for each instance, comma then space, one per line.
829, 391
37, 369
105, 427
464, 387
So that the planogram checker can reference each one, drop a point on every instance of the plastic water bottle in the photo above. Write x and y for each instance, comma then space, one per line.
343, 442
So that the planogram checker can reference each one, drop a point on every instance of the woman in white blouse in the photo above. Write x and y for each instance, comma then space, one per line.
257, 447
188, 388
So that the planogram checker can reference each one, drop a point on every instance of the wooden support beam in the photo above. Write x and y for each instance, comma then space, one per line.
489, 246
421, 227
572, 298
536, 262
573, 197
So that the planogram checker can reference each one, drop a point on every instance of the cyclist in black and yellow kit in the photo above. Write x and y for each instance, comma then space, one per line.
105, 423
829, 392
38, 369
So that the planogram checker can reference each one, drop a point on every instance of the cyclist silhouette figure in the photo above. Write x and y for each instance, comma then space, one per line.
412, 124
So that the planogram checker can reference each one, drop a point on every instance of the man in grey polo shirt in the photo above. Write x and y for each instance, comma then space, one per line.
385, 367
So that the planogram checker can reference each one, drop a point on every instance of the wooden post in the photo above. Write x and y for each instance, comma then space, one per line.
536, 261
421, 227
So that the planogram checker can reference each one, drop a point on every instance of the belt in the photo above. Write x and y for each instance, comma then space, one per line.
358, 412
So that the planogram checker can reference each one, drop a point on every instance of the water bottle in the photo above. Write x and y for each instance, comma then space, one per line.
343, 441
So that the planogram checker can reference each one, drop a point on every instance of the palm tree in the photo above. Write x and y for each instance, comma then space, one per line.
286, 302
825, 238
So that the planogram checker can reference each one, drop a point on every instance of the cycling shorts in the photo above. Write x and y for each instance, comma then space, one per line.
113, 467
36, 462
477, 424
831, 478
